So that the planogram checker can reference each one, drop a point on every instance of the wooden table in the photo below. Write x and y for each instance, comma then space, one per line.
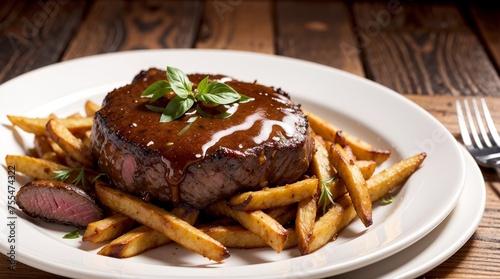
431, 53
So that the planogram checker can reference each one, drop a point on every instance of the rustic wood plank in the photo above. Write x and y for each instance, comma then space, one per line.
478, 258
39, 37
23, 271
318, 31
237, 25
487, 21
125, 25
423, 49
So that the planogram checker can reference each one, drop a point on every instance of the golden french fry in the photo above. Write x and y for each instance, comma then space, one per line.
274, 197
282, 214
86, 139
42, 145
304, 222
338, 216
91, 108
144, 238
354, 181
163, 221
34, 167
108, 228
323, 170
362, 150
57, 149
69, 143
383, 182
239, 237
272, 232
75, 115
342, 212
37, 125
367, 168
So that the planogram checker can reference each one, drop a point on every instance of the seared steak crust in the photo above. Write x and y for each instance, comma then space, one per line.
266, 142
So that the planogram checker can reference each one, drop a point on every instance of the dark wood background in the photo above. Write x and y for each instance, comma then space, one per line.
431, 52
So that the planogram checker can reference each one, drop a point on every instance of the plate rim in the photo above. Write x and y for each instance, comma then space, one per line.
396, 95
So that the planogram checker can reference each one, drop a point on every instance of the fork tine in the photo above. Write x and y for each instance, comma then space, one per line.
489, 122
462, 125
472, 126
480, 124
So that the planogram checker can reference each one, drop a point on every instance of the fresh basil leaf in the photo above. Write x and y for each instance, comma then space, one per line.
219, 98
157, 90
73, 234
176, 108
221, 115
155, 108
219, 87
203, 86
179, 82
245, 99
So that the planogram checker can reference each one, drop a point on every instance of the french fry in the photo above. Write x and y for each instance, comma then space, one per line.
338, 216
367, 168
163, 221
108, 228
354, 181
69, 143
274, 197
272, 232
304, 222
57, 149
35, 167
282, 214
362, 149
86, 139
383, 182
91, 108
37, 125
342, 212
144, 238
239, 237
323, 170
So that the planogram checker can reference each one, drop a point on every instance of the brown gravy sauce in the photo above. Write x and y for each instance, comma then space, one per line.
269, 120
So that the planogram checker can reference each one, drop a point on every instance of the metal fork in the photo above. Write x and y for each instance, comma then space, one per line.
484, 145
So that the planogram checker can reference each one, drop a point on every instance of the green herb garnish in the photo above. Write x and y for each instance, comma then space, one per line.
71, 235
64, 174
387, 201
210, 93
326, 195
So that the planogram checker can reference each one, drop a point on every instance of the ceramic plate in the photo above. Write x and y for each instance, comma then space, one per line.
363, 108
442, 242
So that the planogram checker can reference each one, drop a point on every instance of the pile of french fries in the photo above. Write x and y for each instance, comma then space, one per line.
342, 170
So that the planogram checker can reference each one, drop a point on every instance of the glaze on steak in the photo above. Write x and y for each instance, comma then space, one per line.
266, 142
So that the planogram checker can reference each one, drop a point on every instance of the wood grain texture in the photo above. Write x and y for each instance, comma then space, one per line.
487, 21
478, 258
237, 25
423, 49
126, 25
38, 36
318, 31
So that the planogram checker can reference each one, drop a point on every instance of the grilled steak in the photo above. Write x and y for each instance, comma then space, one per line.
57, 201
265, 142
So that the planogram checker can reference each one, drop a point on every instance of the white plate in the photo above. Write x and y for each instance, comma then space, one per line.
442, 242
364, 108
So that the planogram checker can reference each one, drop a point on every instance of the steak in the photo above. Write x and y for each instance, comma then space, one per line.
265, 142
57, 201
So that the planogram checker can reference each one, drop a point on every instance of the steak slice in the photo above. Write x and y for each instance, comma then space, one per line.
266, 142
57, 201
